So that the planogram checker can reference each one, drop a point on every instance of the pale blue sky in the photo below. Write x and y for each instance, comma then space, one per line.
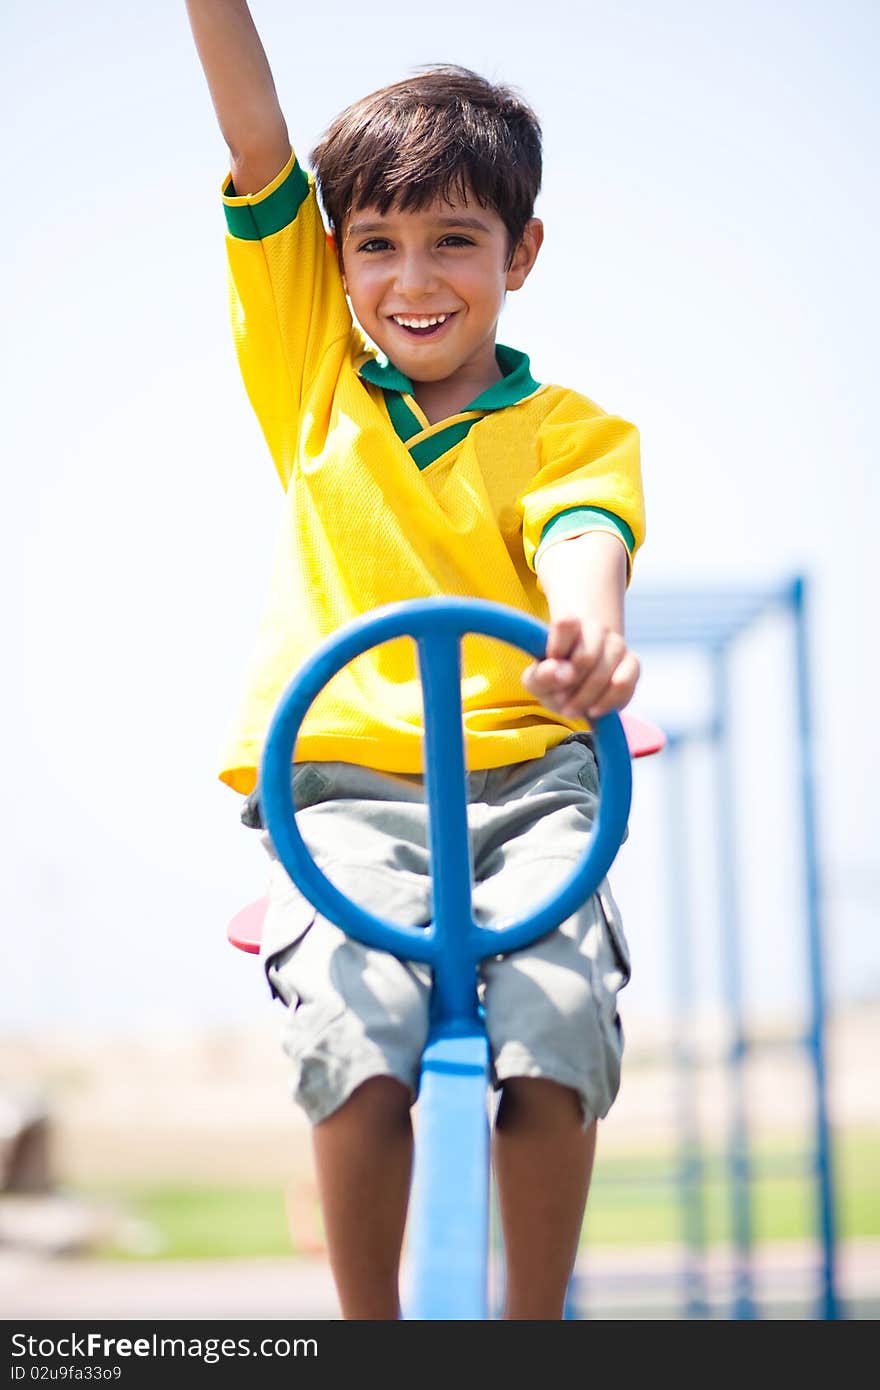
709, 271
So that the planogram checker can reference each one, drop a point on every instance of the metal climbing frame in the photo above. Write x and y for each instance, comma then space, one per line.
711, 621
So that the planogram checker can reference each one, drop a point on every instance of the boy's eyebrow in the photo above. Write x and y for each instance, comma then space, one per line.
358, 228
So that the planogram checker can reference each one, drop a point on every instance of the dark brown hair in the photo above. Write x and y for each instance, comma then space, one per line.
444, 133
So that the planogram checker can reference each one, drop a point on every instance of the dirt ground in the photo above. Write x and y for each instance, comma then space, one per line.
614, 1284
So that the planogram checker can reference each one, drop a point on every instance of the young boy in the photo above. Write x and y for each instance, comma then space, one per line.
445, 469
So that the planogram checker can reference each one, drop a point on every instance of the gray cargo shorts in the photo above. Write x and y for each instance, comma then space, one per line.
354, 1012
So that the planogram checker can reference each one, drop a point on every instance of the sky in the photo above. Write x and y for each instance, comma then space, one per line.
709, 272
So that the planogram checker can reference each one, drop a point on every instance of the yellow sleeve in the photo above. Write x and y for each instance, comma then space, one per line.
586, 459
287, 302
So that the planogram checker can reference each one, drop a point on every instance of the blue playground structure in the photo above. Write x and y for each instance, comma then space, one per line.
709, 622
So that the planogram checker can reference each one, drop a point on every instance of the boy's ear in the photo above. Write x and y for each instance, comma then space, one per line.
526, 253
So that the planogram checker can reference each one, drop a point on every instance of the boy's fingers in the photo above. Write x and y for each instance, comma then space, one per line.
563, 637
581, 697
609, 676
620, 688
549, 674
594, 672
597, 674
581, 643
573, 650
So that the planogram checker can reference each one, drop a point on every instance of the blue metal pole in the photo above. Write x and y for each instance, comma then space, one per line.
691, 1168
738, 1150
455, 971
829, 1305
449, 1206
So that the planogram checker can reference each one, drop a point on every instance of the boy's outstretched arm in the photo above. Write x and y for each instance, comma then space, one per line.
242, 90
588, 669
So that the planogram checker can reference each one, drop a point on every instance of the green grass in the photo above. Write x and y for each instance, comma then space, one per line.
181, 1222
630, 1204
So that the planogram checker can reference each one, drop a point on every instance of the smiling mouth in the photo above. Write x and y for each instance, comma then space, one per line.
421, 325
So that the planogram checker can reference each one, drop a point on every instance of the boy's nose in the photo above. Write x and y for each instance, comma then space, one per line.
416, 275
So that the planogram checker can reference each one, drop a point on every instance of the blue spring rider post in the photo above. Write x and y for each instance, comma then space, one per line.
450, 1198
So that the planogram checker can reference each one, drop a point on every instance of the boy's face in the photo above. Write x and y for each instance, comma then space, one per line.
428, 286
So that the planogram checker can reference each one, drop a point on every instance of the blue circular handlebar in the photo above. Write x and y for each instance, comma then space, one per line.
438, 626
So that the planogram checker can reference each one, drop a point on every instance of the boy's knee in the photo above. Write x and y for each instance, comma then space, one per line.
380, 1104
536, 1099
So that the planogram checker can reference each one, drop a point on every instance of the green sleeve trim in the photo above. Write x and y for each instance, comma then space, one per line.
578, 520
252, 221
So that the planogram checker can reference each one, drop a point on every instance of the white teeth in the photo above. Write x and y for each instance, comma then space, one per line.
419, 323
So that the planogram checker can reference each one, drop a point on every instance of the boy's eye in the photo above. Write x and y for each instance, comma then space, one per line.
376, 244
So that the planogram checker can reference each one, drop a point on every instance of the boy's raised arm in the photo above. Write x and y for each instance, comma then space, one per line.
242, 90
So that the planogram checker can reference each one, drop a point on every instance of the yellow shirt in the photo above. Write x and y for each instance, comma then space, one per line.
383, 506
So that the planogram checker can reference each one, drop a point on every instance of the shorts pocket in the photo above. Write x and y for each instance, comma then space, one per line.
309, 785
289, 917
616, 934
588, 771
589, 778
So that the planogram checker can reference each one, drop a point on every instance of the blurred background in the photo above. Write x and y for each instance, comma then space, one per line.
709, 272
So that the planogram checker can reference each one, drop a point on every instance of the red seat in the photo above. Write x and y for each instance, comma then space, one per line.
642, 736
246, 928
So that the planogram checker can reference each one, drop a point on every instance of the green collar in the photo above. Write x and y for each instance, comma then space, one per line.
516, 384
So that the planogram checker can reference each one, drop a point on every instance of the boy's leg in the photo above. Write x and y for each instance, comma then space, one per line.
363, 1153
357, 1019
543, 1161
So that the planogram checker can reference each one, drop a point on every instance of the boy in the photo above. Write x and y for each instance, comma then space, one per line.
444, 470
